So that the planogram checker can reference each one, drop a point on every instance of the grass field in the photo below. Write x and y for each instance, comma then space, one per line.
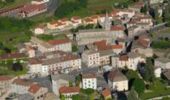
157, 89
14, 4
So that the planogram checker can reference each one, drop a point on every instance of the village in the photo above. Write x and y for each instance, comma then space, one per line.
109, 56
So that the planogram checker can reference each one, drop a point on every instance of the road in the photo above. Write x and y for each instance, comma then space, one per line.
52, 5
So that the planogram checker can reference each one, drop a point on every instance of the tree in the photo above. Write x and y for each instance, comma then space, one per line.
144, 9
147, 70
132, 95
78, 80
166, 14
76, 97
139, 86
17, 67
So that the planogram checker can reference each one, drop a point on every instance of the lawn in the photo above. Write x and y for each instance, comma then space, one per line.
157, 89
51, 37
15, 3
5, 69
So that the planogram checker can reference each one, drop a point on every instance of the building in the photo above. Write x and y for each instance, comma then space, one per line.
157, 72
89, 80
151, 2
37, 2
30, 10
117, 81
84, 37
117, 48
54, 62
5, 84
40, 29
76, 21
15, 56
21, 86
60, 80
52, 45
37, 91
68, 92
129, 61
118, 31
91, 58
163, 63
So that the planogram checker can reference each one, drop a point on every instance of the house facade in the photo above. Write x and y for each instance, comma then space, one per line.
89, 80
117, 81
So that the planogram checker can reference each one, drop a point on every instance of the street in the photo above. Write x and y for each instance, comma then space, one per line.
52, 5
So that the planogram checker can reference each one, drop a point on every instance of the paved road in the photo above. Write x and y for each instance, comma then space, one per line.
52, 5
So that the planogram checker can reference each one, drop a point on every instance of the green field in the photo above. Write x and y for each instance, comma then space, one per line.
157, 89
14, 4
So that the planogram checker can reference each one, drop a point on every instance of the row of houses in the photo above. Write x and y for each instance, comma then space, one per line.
118, 15
26, 10
20, 86
116, 82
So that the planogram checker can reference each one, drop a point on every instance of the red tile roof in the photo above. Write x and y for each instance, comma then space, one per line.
29, 8
102, 45
117, 28
57, 42
119, 46
34, 88
5, 78
65, 89
106, 92
23, 82
89, 75
14, 55
123, 58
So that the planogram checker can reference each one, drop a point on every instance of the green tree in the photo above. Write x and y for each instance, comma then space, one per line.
139, 86
133, 95
144, 9
76, 97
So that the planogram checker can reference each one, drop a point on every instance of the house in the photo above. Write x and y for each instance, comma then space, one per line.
117, 81
147, 52
37, 2
60, 80
105, 51
76, 21
89, 80
157, 72
54, 25
130, 60
91, 58
21, 86
163, 63
126, 13
88, 20
152, 2
37, 91
117, 48
118, 31
40, 29
105, 57
30, 10
5, 84
68, 92
135, 30
54, 62
106, 93
52, 45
